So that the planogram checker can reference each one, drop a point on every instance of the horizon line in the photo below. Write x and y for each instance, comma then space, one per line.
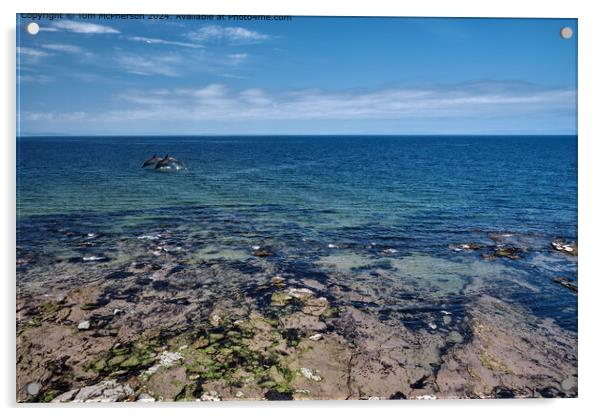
293, 134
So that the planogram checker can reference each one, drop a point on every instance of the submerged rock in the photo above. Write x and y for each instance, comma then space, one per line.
120, 274
563, 281
564, 247
278, 281
465, 247
263, 251
280, 298
509, 252
300, 293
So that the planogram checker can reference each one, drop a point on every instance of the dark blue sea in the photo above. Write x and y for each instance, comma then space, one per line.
350, 206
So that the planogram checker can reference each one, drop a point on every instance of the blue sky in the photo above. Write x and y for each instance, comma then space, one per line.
307, 75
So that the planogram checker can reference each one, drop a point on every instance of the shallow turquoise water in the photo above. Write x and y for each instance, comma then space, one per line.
333, 203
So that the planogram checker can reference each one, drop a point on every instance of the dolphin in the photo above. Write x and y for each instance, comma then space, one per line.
151, 161
168, 163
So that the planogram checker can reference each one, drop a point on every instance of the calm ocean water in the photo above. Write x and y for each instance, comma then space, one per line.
413, 195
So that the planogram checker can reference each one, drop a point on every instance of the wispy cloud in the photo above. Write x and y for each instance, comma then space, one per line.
63, 48
234, 76
55, 116
218, 102
35, 53
144, 65
35, 78
450, 108
155, 41
82, 27
237, 58
229, 34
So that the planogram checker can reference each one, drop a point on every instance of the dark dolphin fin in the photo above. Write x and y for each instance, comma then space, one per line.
151, 161
161, 163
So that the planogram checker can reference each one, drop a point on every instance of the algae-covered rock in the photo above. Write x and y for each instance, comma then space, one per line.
280, 298
132, 361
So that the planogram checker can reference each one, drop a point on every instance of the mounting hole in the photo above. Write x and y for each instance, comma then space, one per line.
566, 32
33, 28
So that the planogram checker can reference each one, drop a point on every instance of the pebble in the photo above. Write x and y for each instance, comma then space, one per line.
309, 374
300, 293
168, 358
145, 398
210, 396
456, 337
215, 319
84, 325
278, 280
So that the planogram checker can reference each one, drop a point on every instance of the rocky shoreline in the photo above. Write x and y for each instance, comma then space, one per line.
161, 326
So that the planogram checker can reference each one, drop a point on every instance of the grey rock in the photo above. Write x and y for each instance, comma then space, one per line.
316, 337
65, 397
146, 398
103, 392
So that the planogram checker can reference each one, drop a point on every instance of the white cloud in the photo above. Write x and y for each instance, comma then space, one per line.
234, 76
82, 27
237, 58
54, 116
35, 78
156, 65
217, 102
210, 91
35, 53
63, 48
155, 41
235, 35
